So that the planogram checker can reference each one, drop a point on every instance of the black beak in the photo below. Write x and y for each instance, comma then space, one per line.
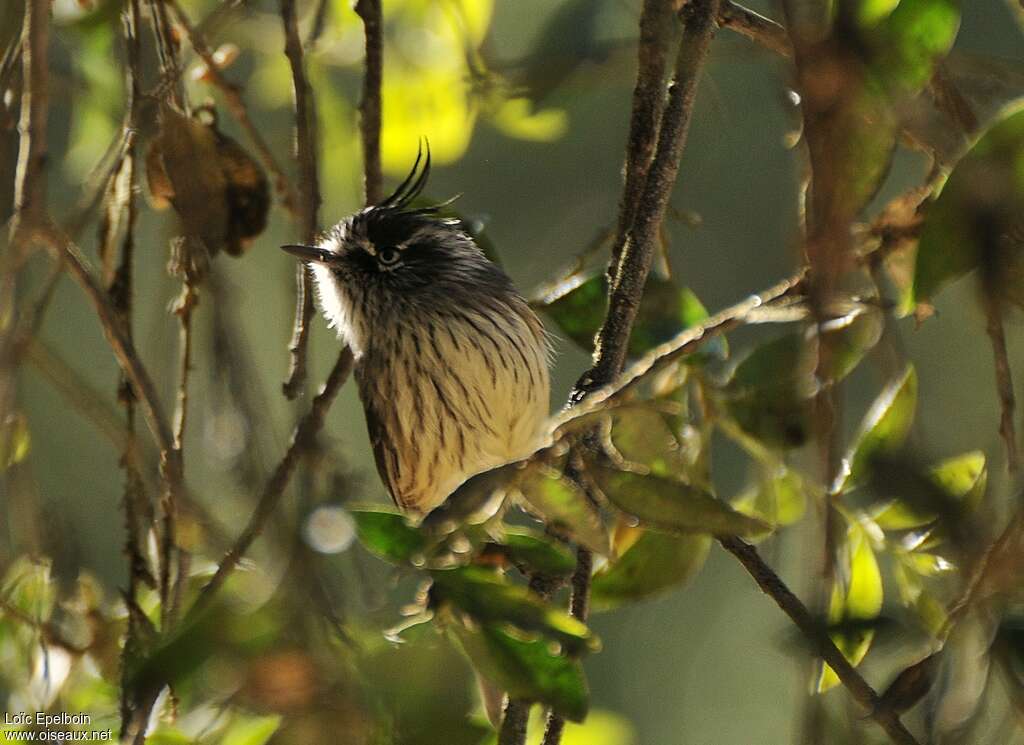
309, 253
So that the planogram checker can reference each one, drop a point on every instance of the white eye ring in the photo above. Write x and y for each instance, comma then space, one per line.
388, 256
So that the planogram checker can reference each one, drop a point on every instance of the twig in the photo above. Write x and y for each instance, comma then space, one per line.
756, 27
579, 607
80, 395
982, 570
624, 297
370, 102
304, 434
122, 346
236, 105
772, 585
306, 155
1004, 378
657, 30
30, 176
698, 17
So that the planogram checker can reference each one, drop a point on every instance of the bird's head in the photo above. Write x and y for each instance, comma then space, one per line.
397, 255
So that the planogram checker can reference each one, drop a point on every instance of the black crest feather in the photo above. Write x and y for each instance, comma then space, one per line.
401, 199
414, 183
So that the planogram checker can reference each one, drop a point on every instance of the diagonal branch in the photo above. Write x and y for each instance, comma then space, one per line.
756, 27
637, 253
30, 177
624, 295
771, 584
305, 432
309, 205
123, 347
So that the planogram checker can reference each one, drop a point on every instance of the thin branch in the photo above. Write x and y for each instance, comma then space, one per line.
123, 347
370, 102
624, 297
30, 177
698, 17
982, 571
756, 27
1004, 378
80, 396
304, 434
235, 102
306, 155
772, 585
658, 29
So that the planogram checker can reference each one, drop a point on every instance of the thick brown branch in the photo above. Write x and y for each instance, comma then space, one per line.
657, 30
624, 297
309, 207
236, 105
634, 262
772, 585
370, 102
304, 434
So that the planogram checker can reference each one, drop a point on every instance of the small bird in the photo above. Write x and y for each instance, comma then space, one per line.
451, 362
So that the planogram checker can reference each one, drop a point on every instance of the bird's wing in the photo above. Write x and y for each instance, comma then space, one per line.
383, 444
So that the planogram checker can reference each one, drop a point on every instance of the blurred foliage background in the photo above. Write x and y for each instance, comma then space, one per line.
525, 105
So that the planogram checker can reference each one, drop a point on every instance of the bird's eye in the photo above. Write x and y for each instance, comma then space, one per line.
388, 256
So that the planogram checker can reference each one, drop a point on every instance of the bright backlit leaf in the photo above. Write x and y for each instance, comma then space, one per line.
962, 477
885, 426
861, 602
251, 730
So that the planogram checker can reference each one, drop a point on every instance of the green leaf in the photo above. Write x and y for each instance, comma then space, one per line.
527, 669
561, 502
912, 39
251, 730
671, 505
534, 551
641, 435
779, 499
848, 339
388, 535
489, 597
862, 601
577, 304
976, 220
962, 477
653, 564
871, 73
884, 429
29, 587
768, 392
